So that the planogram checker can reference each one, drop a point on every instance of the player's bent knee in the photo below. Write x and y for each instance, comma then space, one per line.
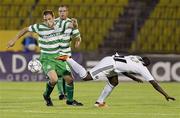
88, 77
53, 80
53, 77
113, 81
68, 79
53, 83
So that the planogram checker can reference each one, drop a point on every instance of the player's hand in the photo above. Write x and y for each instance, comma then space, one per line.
170, 98
10, 43
74, 21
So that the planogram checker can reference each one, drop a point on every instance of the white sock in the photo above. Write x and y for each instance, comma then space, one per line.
77, 68
105, 93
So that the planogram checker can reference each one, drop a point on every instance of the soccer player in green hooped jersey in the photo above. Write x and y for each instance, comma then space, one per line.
50, 33
65, 44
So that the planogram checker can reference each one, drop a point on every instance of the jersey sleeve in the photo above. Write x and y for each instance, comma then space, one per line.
33, 28
64, 25
67, 24
75, 33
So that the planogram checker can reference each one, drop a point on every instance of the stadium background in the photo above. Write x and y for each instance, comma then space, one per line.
143, 27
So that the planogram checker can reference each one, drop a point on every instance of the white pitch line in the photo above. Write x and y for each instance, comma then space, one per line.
92, 113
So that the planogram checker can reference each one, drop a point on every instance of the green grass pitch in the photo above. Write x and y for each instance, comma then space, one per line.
128, 100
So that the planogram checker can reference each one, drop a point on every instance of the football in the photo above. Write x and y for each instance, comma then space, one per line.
34, 66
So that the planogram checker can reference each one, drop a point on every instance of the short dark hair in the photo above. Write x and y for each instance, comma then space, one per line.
146, 61
64, 6
46, 12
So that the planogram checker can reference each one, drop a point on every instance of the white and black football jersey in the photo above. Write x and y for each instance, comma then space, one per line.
116, 64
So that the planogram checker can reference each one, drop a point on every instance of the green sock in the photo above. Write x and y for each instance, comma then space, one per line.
64, 86
49, 89
70, 92
60, 86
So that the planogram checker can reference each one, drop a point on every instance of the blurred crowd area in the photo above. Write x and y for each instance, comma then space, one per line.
143, 26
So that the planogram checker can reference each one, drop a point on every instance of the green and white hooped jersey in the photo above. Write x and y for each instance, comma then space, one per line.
68, 35
49, 38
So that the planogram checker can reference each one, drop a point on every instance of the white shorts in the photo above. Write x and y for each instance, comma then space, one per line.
104, 69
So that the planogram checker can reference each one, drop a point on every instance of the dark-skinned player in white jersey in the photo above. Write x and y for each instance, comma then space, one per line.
110, 67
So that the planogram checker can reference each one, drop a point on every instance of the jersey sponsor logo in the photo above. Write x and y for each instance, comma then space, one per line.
51, 35
166, 71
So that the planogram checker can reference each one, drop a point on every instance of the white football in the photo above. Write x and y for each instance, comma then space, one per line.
34, 65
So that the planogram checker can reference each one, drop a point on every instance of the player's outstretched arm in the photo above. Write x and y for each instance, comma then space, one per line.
132, 77
19, 35
160, 90
78, 42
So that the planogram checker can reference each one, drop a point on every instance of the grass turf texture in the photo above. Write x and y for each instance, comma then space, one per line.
128, 100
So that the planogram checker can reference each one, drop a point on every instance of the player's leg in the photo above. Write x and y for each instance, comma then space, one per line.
61, 88
50, 86
112, 82
70, 91
69, 87
80, 70
66, 72
77, 68
64, 69
49, 70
